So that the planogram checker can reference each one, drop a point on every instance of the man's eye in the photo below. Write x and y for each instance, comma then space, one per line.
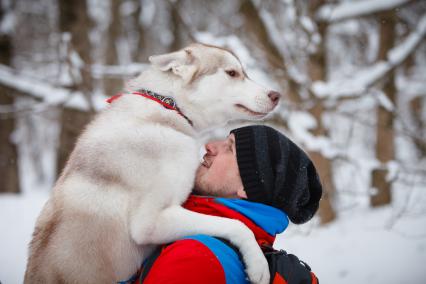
232, 73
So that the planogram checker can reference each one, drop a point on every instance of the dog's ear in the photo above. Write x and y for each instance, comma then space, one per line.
181, 63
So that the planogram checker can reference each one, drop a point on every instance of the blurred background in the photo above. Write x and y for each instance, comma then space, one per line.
352, 73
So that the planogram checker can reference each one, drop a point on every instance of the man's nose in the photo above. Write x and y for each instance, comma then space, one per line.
210, 149
274, 96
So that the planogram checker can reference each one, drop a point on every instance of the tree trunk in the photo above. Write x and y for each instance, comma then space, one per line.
111, 85
385, 145
8, 152
139, 52
176, 26
317, 70
73, 122
73, 18
418, 108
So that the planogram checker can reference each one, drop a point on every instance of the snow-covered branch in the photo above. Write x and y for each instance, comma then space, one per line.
300, 124
129, 70
40, 90
337, 12
359, 83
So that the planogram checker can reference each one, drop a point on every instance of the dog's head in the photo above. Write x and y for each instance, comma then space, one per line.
211, 86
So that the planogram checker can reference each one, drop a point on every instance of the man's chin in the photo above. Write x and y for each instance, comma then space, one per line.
196, 192
201, 188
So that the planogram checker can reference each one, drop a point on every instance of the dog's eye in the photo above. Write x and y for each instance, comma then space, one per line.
232, 73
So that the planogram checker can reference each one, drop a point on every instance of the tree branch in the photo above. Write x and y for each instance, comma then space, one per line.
360, 82
43, 91
66, 97
332, 13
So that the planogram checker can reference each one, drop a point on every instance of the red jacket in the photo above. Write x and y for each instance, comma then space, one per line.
204, 259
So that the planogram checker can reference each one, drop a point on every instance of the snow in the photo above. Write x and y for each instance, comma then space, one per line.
18, 214
129, 70
384, 101
148, 13
361, 249
399, 53
7, 24
350, 9
393, 170
44, 91
283, 43
127, 8
37, 137
50, 95
299, 124
358, 83
308, 24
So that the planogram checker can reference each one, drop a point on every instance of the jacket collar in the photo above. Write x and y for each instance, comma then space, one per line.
270, 219
263, 220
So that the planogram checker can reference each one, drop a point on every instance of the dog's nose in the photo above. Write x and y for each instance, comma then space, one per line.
274, 96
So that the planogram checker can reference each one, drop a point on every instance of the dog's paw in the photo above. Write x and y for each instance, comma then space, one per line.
257, 269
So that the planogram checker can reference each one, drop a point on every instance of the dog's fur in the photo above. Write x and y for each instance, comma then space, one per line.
134, 165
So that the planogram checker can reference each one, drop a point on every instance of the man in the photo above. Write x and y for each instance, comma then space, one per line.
263, 180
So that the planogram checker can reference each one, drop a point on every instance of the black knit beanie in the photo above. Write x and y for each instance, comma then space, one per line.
275, 171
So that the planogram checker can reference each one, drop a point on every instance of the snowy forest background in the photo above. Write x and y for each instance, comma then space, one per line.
353, 74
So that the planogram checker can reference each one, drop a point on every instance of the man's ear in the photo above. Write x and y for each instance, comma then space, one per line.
182, 63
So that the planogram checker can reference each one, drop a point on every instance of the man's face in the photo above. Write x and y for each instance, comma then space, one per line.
218, 175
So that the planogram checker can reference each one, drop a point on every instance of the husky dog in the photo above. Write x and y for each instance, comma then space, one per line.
121, 191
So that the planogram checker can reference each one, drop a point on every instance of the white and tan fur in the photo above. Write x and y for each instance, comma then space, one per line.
121, 191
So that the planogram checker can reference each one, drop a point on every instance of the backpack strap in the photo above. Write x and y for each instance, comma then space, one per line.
148, 263
287, 268
284, 268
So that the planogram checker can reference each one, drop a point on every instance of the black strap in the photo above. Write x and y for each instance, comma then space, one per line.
290, 267
149, 262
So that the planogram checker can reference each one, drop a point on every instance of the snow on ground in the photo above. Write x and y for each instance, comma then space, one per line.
18, 214
359, 249
355, 249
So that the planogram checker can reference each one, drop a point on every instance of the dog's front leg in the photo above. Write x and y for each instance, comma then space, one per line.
176, 222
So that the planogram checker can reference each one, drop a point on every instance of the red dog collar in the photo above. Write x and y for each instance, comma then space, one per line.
167, 102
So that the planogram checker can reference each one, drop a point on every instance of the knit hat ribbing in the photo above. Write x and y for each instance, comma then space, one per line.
275, 171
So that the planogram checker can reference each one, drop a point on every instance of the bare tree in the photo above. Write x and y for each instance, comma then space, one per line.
139, 32
317, 71
8, 151
178, 29
73, 19
417, 106
385, 134
256, 34
111, 86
